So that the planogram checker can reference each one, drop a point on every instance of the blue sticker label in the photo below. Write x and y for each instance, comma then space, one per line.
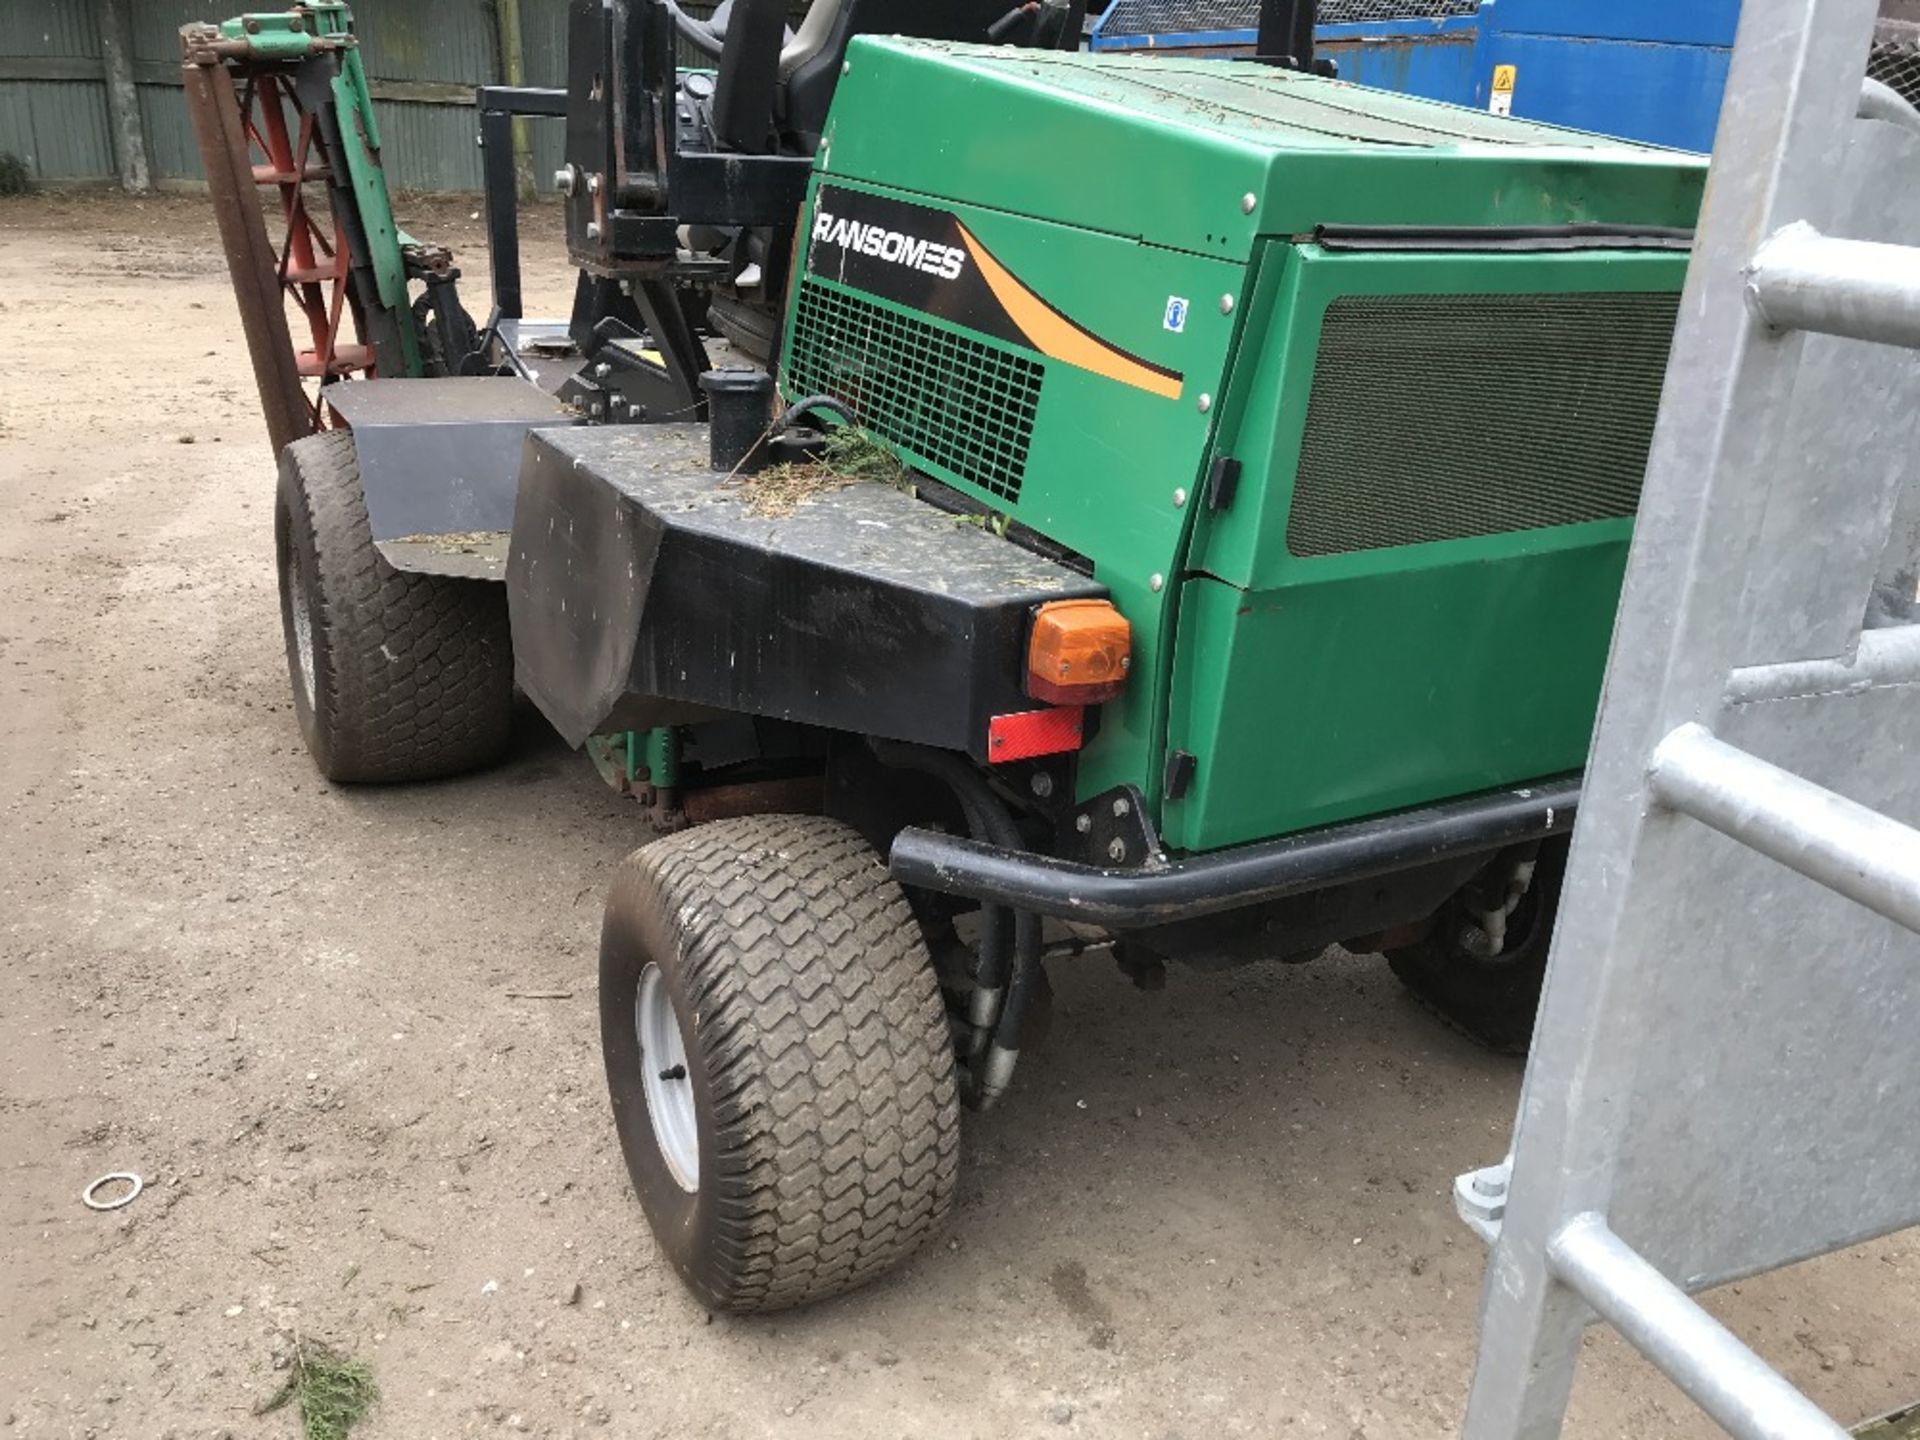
1176, 313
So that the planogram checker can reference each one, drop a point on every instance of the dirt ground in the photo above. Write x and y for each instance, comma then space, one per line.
1219, 1210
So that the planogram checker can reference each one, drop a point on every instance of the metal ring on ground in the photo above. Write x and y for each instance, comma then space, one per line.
86, 1195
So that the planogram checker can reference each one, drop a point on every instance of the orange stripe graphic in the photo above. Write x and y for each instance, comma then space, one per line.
1054, 335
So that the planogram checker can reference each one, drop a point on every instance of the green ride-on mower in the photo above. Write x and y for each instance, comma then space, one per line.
1175, 506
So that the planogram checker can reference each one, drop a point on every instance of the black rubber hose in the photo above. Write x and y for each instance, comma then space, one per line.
1027, 929
1000, 29
990, 977
815, 402
988, 818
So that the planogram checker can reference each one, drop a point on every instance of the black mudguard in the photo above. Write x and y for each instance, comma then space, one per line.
439, 462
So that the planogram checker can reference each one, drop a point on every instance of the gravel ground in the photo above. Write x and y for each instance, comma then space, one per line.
1219, 1210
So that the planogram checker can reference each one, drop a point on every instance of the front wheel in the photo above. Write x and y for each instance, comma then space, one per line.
1492, 997
778, 1060
396, 676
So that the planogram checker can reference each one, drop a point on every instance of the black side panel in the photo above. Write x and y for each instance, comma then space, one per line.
635, 571
579, 565
749, 70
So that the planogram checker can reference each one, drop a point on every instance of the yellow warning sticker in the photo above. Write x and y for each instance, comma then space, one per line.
1501, 102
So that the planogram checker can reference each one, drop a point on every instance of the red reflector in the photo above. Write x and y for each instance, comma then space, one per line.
1053, 731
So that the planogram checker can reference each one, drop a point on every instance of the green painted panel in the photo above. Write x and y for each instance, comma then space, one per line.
1312, 686
1106, 457
155, 24
37, 28
172, 151
1356, 695
427, 146
449, 41
1165, 150
1513, 404
1317, 687
59, 127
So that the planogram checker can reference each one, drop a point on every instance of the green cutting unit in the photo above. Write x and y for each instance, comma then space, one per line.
1179, 511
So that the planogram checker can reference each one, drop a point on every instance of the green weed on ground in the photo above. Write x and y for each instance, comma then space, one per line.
332, 1392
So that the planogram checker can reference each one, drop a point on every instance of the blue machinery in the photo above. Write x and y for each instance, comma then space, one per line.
1647, 70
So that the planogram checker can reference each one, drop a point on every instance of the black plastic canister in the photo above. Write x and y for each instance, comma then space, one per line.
739, 411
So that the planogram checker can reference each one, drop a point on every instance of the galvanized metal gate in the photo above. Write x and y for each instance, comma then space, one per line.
1725, 1076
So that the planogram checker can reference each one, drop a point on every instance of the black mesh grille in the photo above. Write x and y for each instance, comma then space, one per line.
1897, 63
1175, 17
1346, 12
950, 401
1434, 417
1186, 17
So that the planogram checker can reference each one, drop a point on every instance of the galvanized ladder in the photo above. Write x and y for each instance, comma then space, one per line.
1725, 1077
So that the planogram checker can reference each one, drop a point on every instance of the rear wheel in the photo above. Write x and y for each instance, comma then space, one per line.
1491, 997
778, 1059
396, 676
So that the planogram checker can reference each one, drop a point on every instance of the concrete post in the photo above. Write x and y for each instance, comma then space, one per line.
123, 102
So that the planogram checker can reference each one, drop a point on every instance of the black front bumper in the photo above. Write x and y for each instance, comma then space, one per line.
645, 589
1186, 889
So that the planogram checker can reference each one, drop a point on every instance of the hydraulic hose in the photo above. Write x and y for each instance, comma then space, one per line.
995, 1072
814, 402
994, 1022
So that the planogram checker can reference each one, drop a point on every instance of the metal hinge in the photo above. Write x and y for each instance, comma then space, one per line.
1180, 767
1223, 478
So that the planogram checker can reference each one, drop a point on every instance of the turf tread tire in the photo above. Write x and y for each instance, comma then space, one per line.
413, 674
1490, 1002
826, 1101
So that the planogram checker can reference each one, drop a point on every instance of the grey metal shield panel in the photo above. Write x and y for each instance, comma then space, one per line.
440, 463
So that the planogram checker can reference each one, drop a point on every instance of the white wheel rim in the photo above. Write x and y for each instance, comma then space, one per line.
301, 615
663, 1075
